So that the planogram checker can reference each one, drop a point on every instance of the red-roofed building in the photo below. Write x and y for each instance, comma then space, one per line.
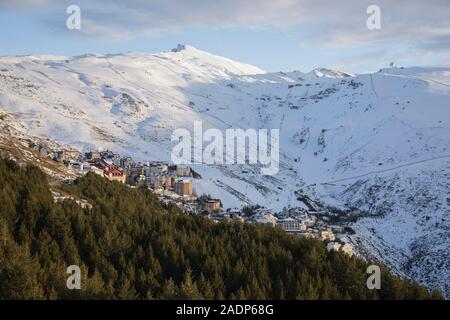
114, 173
111, 171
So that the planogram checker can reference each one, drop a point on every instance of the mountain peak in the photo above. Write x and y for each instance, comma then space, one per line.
182, 47
190, 54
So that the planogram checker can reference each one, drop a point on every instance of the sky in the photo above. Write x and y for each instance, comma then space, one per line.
281, 35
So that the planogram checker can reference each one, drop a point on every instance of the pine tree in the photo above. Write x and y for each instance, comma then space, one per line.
205, 288
19, 273
170, 290
188, 288
126, 291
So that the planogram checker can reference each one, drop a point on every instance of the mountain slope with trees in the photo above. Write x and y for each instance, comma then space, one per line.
130, 246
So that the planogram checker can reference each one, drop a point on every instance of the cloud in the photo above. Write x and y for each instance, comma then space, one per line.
324, 24
333, 17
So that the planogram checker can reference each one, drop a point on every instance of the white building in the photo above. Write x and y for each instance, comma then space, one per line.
327, 235
291, 225
156, 168
183, 171
85, 167
310, 221
348, 249
265, 218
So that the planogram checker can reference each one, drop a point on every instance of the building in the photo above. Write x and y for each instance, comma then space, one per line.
72, 154
141, 180
136, 171
166, 181
183, 171
77, 166
160, 181
236, 217
93, 155
310, 221
107, 154
327, 235
310, 235
348, 249
127, 163
291, 225
154, 182
87, 167
183, 187
156, 168
264, 218
114, 173
117, 160
212, 205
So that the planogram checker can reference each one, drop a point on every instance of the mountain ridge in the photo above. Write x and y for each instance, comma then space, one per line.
353, 127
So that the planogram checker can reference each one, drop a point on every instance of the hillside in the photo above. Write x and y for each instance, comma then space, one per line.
131, 247
374, 142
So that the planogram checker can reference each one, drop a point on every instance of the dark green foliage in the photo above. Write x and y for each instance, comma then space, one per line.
129, 246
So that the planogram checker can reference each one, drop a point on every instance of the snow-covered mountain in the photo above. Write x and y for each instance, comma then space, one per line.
376, 142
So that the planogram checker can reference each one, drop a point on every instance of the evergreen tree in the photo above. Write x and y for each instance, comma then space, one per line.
188, 288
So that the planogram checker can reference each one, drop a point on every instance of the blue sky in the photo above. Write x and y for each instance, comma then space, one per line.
274, 35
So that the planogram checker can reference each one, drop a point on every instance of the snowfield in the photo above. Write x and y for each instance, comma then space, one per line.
376, 142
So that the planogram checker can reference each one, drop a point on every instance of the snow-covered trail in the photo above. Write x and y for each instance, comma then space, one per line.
405, 165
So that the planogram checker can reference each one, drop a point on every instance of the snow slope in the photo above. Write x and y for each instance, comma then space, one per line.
377, 142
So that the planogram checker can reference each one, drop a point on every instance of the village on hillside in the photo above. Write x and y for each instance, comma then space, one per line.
173, 185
